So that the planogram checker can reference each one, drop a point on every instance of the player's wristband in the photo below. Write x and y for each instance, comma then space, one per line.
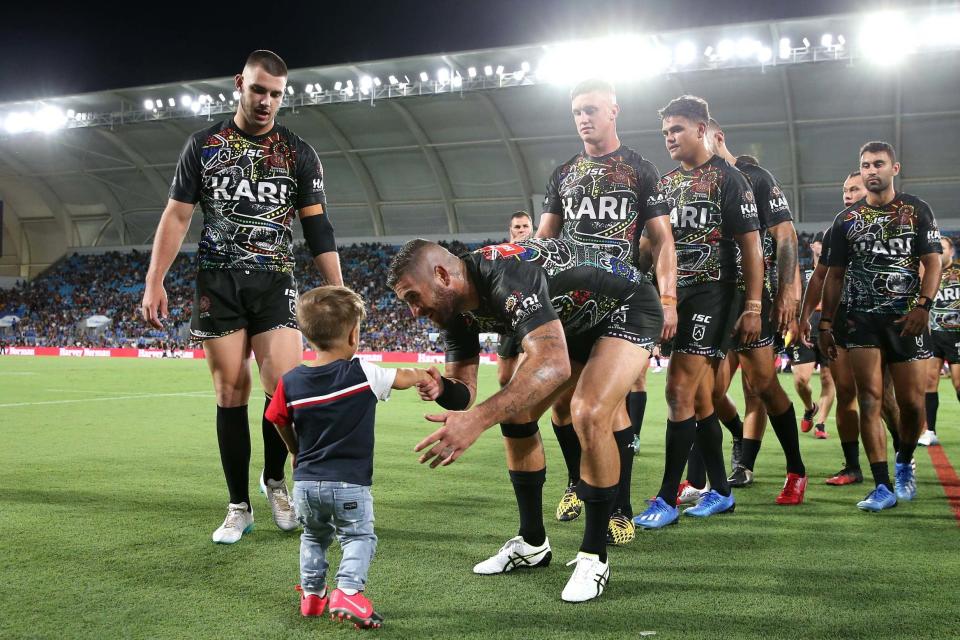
454, 396
668, 301
753, 306
926, 305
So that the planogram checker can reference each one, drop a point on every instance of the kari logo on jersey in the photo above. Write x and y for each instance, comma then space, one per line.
949, 294
224, 188
690, 217
888, 247
933, 235
777, 201
602, 208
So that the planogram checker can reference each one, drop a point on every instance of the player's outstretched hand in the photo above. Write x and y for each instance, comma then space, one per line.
153, 308
669, 323
431, 386
450, 441
914, 322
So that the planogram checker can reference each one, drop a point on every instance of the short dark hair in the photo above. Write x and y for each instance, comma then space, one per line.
853, 174
327, 315
404, 259
521, 214
692, 108
747, 159
879, 146
268, 61
593, 84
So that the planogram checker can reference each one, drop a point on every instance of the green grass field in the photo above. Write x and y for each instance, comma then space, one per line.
112, 486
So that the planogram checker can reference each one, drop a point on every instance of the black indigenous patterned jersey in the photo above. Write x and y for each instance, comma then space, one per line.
881, 249
604, 201
708, 205
945, 314
772, 209
527, 284
250, 188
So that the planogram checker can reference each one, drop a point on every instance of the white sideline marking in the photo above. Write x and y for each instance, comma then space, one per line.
189, 394
18, 373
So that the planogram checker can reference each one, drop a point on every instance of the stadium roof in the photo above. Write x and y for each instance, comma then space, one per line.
424, 146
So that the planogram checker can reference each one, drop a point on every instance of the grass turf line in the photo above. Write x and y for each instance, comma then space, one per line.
106, 511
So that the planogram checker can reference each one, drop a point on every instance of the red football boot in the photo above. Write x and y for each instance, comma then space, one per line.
356, 608
793, 489
312, 605
845, 476
680, 489
807, 422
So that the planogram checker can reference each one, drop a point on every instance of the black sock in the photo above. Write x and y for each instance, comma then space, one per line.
905, 452
680, 437
570, 448
751, 449
851, 454
274, 449
696, 472
636, 407
933, 403
233, 436
881, 473
528, 487
624, 440
894, 437
958, 396
735, 426
785, 426
598, 504
710, 443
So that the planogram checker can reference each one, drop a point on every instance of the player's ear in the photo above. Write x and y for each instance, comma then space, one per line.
442, 275
354, 338
896, 168
238, 82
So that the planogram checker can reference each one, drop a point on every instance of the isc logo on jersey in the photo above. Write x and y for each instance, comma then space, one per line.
602, 208
224, 188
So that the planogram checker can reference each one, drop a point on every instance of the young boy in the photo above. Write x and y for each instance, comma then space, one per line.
325, 415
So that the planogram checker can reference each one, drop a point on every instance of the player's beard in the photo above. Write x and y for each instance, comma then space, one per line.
445, 305
879, 187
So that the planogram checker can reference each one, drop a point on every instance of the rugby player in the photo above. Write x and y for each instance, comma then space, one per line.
762, 390
251, 177
945, 339
601, 197
579, 314
713, 214
880, 243
521, 227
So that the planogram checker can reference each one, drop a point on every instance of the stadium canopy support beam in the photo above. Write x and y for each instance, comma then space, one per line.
898, 118
433, 159
357, 165
48, 195
791, 131
513, 150
152, 176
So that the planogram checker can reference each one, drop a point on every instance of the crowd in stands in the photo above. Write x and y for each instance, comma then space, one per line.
54, 307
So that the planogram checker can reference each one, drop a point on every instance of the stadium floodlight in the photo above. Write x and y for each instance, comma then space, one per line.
525, 66
290, 89
885, 39
841, 41
50, 118
310, 88
826, 40
499, 69
725, 49
708, 52
337, 85
159, 103
764, 55
236, 95
170, 102
940, 30
366, 82
747, 47
349, 84
784, 48
472, 72
443, 75
71, 114
148, 104
806, 43
393, 79
488, 70
185, 101
18, 122
195, 107
685, 53
349, 92
376, 81
457, 81
424, 76
222, 97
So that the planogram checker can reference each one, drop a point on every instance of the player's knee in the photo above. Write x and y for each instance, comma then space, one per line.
870, 402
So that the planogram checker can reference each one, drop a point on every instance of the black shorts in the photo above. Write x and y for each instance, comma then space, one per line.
946, 345
802, 354
706, 315
878, 331
508, 347
230, 300
639, 321
766, 324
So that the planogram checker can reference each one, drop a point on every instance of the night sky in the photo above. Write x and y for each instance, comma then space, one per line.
78, 47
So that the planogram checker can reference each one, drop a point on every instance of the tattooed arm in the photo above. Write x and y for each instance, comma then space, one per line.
785, 306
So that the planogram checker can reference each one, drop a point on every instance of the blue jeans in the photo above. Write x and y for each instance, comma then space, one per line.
327, 509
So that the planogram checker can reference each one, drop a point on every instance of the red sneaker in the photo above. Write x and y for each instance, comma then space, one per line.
807, 422
820, 433
356, 608
845, 476
680, 490
793, 489
312, 605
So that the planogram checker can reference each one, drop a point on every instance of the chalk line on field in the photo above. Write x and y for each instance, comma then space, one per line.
143, 396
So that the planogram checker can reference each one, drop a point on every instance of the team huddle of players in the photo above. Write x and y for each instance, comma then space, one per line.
699, 263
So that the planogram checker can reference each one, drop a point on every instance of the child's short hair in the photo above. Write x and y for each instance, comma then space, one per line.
327, 315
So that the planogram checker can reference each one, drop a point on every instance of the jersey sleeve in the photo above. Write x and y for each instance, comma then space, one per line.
551, 199
928, 233
521, 291
310, 186
825, 246
277, 411
838, 250
461, 341
381, 379
651, 202
772, 204
738, 206
187, 177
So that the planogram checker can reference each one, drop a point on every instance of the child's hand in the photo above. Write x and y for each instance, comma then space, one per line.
431, 385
